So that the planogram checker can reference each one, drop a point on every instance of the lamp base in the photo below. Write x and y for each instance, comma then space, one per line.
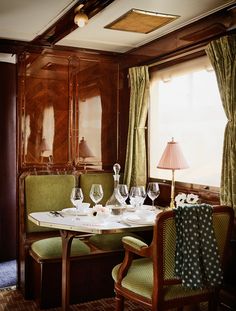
172, 204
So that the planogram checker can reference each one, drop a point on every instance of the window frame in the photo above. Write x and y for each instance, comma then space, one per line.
208, 193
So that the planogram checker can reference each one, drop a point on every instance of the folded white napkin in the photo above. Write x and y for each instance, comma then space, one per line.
136, 220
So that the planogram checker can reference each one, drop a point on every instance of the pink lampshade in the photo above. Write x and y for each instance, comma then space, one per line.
172, 157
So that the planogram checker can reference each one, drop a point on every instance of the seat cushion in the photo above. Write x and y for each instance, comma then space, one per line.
139, 280
52, 248
110, 242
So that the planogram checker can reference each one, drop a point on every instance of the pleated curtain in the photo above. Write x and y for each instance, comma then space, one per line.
222, 54
135, 173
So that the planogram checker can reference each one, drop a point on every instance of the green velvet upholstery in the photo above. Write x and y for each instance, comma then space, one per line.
46, 193
109, 242
105, 179
157, 262
140, 280
52, 248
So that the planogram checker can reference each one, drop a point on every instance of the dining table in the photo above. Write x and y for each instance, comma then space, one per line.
72, 224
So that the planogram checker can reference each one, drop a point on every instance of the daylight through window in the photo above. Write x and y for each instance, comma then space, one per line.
185, 104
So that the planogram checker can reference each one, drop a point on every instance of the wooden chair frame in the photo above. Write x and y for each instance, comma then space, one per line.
156, 252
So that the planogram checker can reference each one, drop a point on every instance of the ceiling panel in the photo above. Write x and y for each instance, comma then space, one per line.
26, 19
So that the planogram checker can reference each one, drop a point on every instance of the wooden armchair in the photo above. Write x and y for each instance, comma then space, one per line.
150, 279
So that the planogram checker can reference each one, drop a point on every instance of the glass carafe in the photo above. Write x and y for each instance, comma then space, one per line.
115, 200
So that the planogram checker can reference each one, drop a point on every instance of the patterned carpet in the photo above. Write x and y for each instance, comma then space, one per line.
12, 299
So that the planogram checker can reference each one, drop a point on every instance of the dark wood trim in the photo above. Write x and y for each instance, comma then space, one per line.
18, 47
187, 38
8, 197
65, 25
207, 194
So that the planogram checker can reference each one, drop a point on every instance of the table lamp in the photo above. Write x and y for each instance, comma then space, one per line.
45, 149
172, 159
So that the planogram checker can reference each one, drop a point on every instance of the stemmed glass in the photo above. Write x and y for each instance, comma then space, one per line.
76, 198
124, 193
153, 192
134, 196
143, 195
96, 193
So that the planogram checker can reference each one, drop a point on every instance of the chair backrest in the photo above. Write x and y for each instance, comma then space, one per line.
105, 179
46, 193
164, 242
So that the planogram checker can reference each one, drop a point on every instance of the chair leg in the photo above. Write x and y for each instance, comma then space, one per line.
119, 303
212, 304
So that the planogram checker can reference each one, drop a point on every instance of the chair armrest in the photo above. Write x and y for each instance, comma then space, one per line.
132, 246
136, 246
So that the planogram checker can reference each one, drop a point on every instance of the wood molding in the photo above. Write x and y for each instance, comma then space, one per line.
65, 25
187, 38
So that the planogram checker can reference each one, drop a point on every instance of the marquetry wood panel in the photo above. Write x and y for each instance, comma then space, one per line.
62, 98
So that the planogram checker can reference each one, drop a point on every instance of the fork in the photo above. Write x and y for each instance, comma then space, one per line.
55, 213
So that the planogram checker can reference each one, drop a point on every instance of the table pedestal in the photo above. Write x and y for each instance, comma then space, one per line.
67, 237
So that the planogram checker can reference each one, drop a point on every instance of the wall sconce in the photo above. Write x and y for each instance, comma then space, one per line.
80, 19
172, 159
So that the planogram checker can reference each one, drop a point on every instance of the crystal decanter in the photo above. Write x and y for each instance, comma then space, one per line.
115, 200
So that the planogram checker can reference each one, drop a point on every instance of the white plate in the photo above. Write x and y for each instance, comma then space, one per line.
136, 220
73, 212
130, 208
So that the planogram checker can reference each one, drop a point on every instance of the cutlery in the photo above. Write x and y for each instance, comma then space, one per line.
55, 213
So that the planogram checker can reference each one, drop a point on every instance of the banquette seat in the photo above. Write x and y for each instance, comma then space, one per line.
40, 248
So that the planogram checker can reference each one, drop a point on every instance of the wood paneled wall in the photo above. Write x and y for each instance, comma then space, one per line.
65, 80
8, 210
58, 93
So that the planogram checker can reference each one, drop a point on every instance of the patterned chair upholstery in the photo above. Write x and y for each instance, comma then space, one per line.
151, 280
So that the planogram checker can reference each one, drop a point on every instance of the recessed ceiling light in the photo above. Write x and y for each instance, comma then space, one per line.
141, 21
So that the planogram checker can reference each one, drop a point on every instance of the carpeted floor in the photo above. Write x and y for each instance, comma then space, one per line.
8, 273
12, 299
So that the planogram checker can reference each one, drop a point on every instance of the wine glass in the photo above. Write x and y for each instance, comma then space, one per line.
153, 192
96, 193
143, 195
123, 190
76, 198
134, 196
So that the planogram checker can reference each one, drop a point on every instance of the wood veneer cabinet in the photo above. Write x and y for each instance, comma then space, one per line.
62, 98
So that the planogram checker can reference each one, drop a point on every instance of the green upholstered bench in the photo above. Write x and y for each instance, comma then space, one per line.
46, 193
110, 242
40, 248
51, 248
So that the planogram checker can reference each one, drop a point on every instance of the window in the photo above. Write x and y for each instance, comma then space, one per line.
185, 104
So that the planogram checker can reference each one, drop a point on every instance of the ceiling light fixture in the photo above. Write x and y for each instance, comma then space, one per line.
80, 19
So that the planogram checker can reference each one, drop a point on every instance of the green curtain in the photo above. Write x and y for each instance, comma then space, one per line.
222, 54
135, 173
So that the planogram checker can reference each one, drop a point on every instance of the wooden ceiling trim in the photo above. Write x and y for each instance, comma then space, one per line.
65, 25
193, 35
